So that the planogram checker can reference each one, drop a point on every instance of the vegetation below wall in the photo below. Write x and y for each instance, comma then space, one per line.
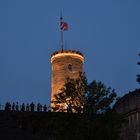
55, 126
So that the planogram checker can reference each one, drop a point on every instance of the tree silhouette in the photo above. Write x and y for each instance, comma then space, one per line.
78, 96
99, 98
99, 119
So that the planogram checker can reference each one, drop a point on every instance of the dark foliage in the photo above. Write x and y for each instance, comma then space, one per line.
71, 97
98, 98
74, 126
99, 120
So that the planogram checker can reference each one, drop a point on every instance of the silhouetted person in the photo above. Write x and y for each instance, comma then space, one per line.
7, 106
13, 107
17, 106
45, 108
38, 107
49, 109
32, 106
23, 107
27, 107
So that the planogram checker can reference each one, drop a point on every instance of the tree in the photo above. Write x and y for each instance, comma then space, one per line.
98, 121
99, 98
71, 97
78, 96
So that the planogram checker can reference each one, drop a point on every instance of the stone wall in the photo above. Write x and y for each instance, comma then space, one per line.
129, 107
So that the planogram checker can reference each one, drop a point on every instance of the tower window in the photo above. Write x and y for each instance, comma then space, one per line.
70, 67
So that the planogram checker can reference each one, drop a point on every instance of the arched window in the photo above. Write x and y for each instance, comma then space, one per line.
70, 67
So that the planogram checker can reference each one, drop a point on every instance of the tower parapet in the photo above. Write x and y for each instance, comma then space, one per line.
67, 53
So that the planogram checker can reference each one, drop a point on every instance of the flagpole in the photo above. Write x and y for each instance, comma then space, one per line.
63, 27
62, 40
61, 19
65, 44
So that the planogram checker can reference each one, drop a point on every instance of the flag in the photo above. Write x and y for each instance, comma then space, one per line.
63, 25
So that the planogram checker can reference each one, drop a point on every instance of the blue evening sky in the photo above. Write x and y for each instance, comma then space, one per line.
107, 32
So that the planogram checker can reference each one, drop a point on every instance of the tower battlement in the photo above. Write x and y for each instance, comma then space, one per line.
66, 51
62, 53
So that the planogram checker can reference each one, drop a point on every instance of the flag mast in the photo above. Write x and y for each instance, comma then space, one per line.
63, 27
62, 44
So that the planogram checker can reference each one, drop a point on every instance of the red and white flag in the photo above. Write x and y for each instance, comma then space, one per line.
63, 26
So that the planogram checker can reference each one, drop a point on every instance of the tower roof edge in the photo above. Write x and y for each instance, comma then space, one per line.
63, 53
67, 51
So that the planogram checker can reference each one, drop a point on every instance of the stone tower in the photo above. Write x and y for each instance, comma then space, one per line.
65, 64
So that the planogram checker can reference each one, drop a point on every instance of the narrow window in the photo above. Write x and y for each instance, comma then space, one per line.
70, 67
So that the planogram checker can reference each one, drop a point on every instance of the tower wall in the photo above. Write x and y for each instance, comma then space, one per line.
65, 64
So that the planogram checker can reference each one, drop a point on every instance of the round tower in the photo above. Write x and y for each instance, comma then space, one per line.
65, 64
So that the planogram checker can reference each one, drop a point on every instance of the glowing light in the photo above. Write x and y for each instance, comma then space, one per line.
67, 54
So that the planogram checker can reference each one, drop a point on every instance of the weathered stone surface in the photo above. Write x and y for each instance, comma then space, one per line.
64, 65
129, 107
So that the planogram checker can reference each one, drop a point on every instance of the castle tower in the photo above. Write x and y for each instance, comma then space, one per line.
65, 64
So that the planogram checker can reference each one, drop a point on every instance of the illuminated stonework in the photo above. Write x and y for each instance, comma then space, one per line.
65, 64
